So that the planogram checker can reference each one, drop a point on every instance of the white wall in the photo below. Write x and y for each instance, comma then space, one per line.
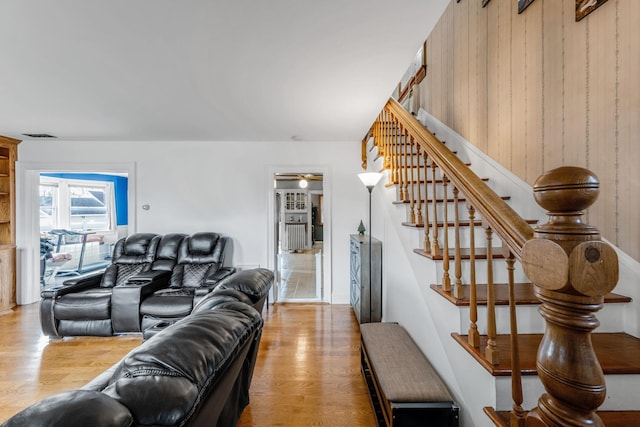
222, 187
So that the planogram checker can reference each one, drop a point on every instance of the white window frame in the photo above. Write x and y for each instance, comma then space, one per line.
63, 209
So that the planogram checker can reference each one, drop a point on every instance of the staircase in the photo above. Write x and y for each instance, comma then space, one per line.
473, 310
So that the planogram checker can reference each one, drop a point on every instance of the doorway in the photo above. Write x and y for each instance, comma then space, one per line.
28, 209
82, 215
299, 237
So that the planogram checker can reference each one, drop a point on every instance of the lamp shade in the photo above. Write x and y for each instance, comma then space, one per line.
370, 179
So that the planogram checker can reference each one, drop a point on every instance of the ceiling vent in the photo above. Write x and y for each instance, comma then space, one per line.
39, 135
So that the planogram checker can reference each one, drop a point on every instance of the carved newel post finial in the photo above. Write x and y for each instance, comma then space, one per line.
572, 270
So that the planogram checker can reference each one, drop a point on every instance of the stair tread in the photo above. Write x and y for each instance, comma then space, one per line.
422, 181
481, 253
439, 200
617, 352
610, 418
461, 223
523, 293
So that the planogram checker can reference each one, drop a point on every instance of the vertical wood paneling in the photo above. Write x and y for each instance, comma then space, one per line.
552, 28
425, 88
575, 95
482, 77
544, 91
473, 78
602, 116
519, 107
493, 62
628, 127
461, 69
534, 90
435, 68
504, 82
447, 61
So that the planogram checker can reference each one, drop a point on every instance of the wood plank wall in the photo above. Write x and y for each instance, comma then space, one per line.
538, 90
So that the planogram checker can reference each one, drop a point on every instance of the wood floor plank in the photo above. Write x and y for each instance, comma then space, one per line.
307, 372
308, 369
33, 367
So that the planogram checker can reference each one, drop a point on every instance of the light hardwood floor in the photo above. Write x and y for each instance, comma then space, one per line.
307, 372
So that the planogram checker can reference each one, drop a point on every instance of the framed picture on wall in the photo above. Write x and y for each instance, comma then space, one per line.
523, 4
585, 7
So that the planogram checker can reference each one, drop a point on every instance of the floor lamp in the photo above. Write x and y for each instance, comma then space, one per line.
370, 179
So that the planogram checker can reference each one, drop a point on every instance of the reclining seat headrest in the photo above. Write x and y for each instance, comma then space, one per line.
131, 255
199, 256
167, 253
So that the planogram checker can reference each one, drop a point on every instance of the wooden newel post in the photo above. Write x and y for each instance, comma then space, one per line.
572, 270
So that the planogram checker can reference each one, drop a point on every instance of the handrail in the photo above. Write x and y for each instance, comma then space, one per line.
503, 220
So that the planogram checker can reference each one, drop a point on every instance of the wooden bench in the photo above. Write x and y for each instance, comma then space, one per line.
404, 388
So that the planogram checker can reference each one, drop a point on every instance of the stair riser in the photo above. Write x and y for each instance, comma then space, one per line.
530, 322
500, 273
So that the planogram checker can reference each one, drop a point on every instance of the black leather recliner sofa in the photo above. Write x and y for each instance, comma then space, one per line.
196, 372
195, 274
108, 303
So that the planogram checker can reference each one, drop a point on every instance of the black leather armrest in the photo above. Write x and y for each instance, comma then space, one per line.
126, 299
220, 274
158, 276
75, 408
203, 290
73, 285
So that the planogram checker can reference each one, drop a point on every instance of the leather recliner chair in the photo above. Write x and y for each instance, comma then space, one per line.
82, 306
126, 297
198, 270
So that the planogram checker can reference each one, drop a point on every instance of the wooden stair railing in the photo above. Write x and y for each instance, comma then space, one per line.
512, 229
409, 148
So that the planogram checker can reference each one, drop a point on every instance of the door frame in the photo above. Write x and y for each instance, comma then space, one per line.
325, 170
28, 211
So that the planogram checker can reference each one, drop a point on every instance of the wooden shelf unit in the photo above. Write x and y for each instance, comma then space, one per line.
8, 157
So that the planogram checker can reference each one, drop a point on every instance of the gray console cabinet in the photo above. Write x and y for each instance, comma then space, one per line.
366, 302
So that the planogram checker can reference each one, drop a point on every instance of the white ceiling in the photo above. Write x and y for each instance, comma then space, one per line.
238, 70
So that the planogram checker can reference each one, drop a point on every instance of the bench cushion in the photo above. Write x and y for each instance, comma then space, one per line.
402, 370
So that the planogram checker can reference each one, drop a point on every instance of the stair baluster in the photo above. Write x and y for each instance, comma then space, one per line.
517, 416
427, 242
457, 289
446, 280
419, 219
398, 158
435, 246
384, 143
411, 181
491, 351
389, 142
474, 335
405, 164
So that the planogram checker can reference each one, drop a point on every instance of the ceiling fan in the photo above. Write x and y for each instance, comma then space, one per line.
303, 179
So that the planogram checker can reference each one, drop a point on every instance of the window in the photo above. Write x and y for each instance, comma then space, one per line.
76, 205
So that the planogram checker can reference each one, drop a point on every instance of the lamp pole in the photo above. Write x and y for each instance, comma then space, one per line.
370, 179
